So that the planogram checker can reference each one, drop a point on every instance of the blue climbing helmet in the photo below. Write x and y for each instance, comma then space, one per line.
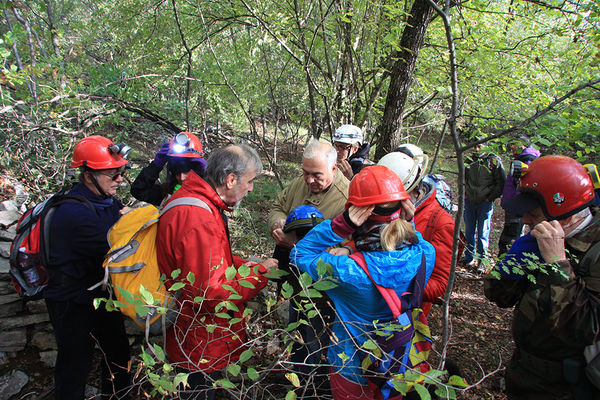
303, 217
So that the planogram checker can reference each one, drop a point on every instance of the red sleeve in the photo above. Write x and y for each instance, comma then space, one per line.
201, 252
442, 242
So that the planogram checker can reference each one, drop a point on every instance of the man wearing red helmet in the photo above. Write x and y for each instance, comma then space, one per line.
76, 251
182, 154
556, 316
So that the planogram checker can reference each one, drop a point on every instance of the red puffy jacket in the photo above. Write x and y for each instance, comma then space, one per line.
195, 240
437, 227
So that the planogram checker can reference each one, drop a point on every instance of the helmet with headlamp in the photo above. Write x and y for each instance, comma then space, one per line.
349, 134
97, 152
185, 145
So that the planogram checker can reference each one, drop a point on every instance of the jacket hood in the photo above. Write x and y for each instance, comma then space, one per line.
362, 153
393, 268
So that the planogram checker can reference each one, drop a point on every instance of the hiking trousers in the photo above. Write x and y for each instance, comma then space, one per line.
77, 329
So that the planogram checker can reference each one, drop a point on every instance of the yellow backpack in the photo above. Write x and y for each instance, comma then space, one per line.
132, 267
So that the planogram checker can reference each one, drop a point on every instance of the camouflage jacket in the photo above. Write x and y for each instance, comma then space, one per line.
558, 315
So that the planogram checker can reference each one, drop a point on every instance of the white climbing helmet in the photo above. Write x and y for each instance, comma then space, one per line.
410, 169
349, 134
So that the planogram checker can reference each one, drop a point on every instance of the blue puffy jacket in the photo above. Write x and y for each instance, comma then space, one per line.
356, 299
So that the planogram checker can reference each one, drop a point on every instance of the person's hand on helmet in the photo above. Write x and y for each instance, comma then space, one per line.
358, 215
550, 237
160, 159
408, 210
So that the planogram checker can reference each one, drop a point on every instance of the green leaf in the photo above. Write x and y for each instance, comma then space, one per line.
97, 303
142, 311
229, 288
246, 355
312, 293
199, 299
247, 284
127, 296
325, 285
181, 378
457, 381
230, 272
146, 295
191, 278
286, 290
321, 267
423, 393
293, 378
225, 383
176, 286
234, 369
247, 312
370, 345
291, 395
175, 273
253, 374
244, 270
160, 354
223, 315
305, 280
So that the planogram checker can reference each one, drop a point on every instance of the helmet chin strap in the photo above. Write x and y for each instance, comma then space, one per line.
101, 192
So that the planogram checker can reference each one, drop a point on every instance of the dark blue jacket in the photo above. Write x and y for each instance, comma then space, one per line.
78, 244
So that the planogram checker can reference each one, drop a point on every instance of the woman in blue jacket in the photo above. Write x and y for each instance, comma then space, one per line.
376, 217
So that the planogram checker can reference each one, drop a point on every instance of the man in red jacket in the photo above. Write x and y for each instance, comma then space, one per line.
431, 220
209, 333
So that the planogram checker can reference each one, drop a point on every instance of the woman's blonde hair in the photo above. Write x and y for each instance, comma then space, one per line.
395, 232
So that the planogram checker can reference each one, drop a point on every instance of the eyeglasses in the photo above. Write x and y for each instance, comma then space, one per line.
342, 146
115, 175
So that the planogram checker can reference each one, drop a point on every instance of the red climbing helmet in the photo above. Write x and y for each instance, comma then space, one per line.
97, 152
374, 185
558, 184
185, 144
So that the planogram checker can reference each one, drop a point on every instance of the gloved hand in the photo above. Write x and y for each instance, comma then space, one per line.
200, 163
160, 159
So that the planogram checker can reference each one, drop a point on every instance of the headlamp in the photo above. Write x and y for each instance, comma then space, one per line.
178, 148
122, 149
518, 169
182, 139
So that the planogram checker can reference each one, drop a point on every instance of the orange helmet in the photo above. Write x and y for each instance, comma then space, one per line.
185, 144
97, 152
559, 185
374, 185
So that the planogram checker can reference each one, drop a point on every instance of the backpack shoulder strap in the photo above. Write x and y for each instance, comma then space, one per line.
397, 305
185, 201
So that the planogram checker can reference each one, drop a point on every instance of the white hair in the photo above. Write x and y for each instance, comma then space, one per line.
316, 148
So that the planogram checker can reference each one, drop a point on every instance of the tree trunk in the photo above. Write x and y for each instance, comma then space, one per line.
401, 76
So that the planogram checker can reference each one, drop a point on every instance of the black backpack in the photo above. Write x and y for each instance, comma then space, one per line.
29, 251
